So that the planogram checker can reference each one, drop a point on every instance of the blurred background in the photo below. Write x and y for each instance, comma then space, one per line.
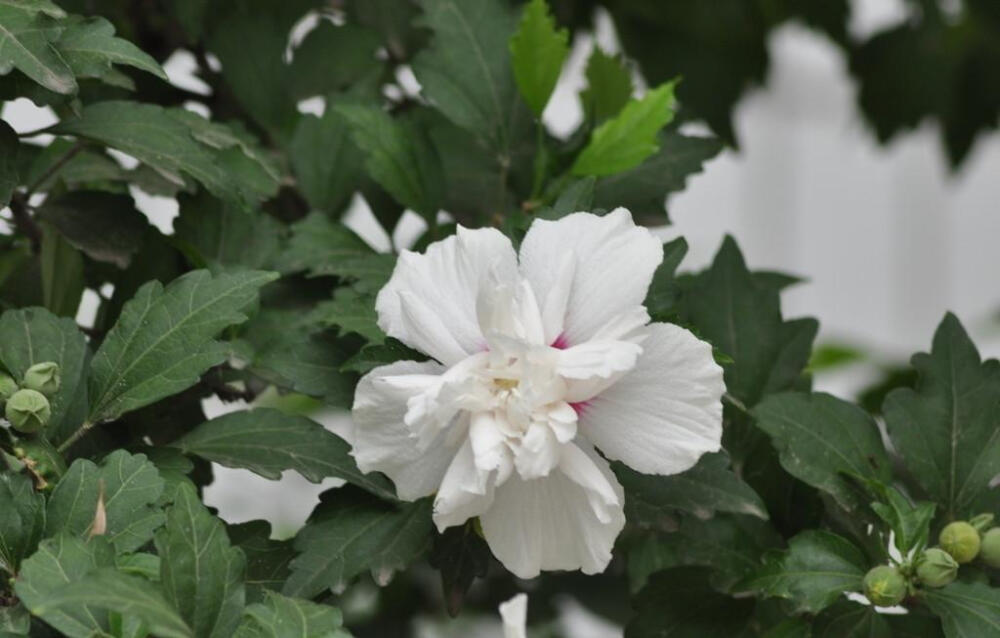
862, 158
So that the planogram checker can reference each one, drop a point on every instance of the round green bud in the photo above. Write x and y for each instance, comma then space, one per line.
961, 540
990, 548
28, 410
885, 586
43, 377
7, 386
936, 568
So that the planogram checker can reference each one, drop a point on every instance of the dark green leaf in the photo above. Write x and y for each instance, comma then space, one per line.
15, 621
910, 521
310, 365
814, 572
351, 312
130, 486
822, 439
350, 532
948, 429
267, 560
22, 521
374, 356
62, 274
105, 226
461, 555
201, 573
34, 335
89, 47
661, 300
847, 619
537, 52
609, 86
9, 149
282, 617
35, 6
268, 441
25, 45
163, 340
323, 158
333, 57
626, 140
223, 236
967, 610
108, 589
680, 603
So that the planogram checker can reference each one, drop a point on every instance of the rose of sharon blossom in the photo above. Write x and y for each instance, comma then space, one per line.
539, 358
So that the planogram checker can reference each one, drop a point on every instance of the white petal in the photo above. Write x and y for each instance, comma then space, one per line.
598, 359
550, 523
440, 288
466, 491
383, 443
660, 417
614, 264
514, 614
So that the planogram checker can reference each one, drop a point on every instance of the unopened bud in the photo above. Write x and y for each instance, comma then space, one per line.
990, 548
43, 377
7, 387
885, 586
936, 568
981, 523
28, 411
961, 540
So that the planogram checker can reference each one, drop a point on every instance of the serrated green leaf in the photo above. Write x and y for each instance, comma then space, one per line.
139, 564
59, 561
25, 44
108, 589
351, 312
822, 439
162, 341
90, 47
34, 335
131, 486
333, 57
609, 86
349, 532
62, 274
399, 156
310, 365
200, 571
909, 521
268, 441
37, 6
177, 142
967, 610
814, 572
848, 619
625, 141
537, 53
323, 158
710, 486
374, 356
267, 560
9, 170
223, 236
105, 226
283, 617
22, 521
661, 299
947, 429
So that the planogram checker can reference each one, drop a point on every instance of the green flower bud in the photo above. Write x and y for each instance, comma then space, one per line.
936, 568
885, 586
990, 549
961, 540
43, 377
7, 387
981, 522
28, 410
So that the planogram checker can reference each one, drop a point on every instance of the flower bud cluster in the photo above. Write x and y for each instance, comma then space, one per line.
26, 404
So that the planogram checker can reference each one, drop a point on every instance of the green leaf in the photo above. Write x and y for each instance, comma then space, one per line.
267, 441
626, 140
947, 429
645, 188
15, 621
351, 312
609, 86
350, 532
131, 486
374, 356
664, 290
201, 573
681, 603
399, 156
25, 45
175, 143
848, 619
34, 335
89, 47
309, 365
909, 521
222, 236
461, 555
821, 439
814, 572
9, 171
105, 226
162, 341
22, 522
334, 57
710, 486
59, 561
466, 70
322, 154
537, 53
35, 6
267, 560
111, 590
62, 274
967, 610
282, 617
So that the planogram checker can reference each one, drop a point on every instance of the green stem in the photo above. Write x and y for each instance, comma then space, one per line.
54, 168
76, 436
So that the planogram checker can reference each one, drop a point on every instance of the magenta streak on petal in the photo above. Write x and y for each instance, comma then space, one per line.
560, 343
580, 406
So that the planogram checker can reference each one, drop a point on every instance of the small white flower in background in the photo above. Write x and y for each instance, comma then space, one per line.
538, 360
514, 614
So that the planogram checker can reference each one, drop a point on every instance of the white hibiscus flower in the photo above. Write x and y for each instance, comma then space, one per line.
537, 362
